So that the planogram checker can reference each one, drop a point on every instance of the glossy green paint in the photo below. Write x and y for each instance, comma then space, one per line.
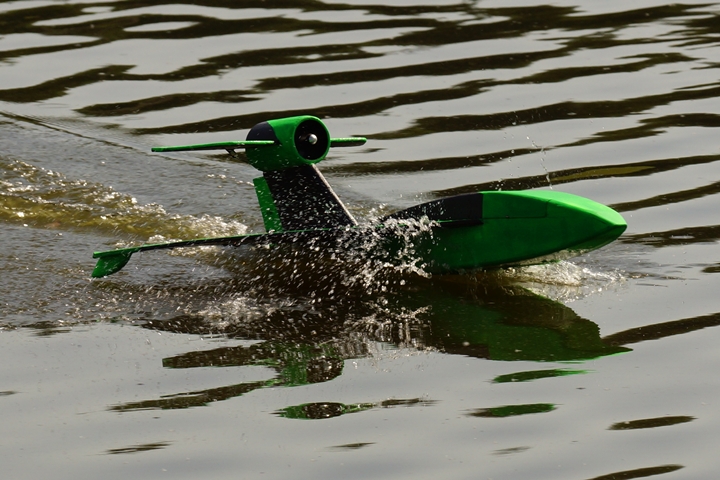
215, 146
520, 228
283, 153
271, 218
112, 261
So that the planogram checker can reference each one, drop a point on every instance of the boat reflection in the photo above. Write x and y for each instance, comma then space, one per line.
454, 315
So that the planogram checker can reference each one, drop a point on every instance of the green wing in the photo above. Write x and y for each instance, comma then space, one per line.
215, 146
334, 142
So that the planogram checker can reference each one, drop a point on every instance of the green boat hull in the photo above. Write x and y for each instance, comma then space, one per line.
521, 228
510, 229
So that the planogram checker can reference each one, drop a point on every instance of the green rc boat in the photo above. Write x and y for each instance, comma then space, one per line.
467, 232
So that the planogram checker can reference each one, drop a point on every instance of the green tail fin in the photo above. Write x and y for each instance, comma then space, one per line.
270, 215
111, 262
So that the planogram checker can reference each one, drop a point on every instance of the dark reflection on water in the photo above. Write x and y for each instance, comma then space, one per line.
510, 451
424, 31
639, 472
512, 410
560, 177
351, 446
321, 410
662, 330
574, 110
536, 375
198, 398
650, 423
146, 447
675, 197
48, 328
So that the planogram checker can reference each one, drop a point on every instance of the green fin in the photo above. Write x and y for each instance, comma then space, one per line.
112, 261
269, 211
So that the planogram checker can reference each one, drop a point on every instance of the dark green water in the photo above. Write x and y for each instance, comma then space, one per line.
222, 364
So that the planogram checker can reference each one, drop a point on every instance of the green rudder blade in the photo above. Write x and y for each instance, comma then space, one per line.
270, 215
111, 262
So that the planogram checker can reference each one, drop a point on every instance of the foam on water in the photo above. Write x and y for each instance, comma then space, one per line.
42, 198
564, 281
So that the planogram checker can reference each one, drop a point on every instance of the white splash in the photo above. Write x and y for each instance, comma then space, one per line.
565, 281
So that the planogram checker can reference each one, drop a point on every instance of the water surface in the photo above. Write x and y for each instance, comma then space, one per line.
234, 363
